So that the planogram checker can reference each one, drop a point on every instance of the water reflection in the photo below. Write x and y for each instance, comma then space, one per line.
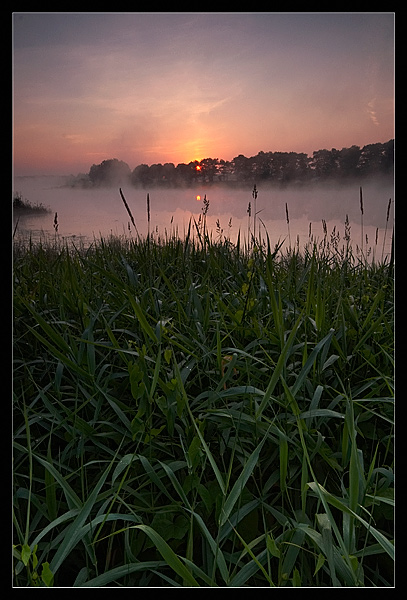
295, 215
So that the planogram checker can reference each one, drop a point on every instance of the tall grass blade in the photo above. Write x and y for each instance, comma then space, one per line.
122, 571
214, 547
385, 544
278, 370
147, 329
323, 344
128, 210
237, 488
72, 534
168, 555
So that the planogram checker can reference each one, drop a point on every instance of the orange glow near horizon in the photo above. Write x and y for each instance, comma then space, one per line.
198, 198
149, 88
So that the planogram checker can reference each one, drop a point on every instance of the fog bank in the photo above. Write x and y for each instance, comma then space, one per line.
100, 211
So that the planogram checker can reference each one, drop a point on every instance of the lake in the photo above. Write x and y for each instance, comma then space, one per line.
84, 214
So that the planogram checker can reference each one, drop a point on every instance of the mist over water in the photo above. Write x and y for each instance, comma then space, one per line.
84, 214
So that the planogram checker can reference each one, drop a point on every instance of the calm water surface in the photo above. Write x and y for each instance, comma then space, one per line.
85, 214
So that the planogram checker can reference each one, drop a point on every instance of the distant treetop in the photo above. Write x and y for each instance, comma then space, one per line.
277, 167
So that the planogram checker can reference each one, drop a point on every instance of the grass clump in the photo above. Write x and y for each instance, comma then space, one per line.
191, 413
23, 206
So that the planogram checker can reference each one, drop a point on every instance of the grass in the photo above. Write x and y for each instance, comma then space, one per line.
196, 413
24, 207
21, 206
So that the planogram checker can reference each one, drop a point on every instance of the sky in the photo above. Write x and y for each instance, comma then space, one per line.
177, 87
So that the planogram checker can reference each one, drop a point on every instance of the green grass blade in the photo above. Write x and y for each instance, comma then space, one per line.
50, 489
337, 503
168, 555
310, 362
72, 498
70, 514
119, 572
176, 484
215, 548
203, 442
211, 459
154, 477
237, 488
63, 356
71, 537
283, 452
278, 370
248, 570
146, 327
255, 559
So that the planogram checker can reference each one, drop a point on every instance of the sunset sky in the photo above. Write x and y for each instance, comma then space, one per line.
176, 87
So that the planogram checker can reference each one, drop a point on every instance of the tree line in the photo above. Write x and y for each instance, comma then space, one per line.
276, 167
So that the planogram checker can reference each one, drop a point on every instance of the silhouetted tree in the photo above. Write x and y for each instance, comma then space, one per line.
141, 175
302, 168
324, 163
242, 167
388, 158
110, 172
279, 167
209, 168
348, 160
376, 159
156, 173
225, 169
169, 173
261, 165
186, 173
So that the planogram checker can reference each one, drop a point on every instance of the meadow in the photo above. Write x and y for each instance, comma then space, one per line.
192, 412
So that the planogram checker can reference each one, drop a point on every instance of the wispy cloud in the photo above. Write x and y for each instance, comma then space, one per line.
174, 87
372, 112
74, 138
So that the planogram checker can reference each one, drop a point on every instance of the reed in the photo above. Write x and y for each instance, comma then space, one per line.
15, 227
148, 215
288, 223
196, 413
128, 210
361, 218
385, 230
254, 195
249, 213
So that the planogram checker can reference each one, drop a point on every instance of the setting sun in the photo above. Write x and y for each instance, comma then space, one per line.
181, 109
198, 198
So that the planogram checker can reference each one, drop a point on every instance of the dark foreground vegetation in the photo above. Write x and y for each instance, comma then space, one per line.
23, 206
193, 413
